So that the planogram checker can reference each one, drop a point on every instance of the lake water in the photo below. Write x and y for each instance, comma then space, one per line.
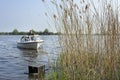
14, 61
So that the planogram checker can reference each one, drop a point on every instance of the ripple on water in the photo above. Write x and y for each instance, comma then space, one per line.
14, 61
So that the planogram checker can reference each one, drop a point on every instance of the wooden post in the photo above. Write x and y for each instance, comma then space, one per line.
36, 71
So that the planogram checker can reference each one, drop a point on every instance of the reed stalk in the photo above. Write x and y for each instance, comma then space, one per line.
90, 40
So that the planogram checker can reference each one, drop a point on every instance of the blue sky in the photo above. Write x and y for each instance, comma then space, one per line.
23, 15
27, 14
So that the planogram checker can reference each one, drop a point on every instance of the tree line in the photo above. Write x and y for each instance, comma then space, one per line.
16, 32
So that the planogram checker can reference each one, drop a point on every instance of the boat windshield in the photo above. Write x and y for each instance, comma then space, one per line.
29, 38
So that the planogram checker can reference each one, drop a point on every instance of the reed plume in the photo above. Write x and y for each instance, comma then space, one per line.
89, 40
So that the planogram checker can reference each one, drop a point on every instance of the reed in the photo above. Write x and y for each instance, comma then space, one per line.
90, 40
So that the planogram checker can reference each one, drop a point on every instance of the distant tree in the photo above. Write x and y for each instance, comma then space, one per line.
46, 31
15, 32
40, 33
22, 33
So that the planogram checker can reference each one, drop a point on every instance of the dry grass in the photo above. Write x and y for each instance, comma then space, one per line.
90, 40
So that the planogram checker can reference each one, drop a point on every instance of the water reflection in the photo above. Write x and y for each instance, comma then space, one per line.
29, 53
34, 55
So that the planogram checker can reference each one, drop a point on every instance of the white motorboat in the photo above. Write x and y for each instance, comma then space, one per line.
29, 42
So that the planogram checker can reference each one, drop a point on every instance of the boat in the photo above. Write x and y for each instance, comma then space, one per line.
29, 42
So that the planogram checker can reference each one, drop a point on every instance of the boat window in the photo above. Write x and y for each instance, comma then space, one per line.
32, 38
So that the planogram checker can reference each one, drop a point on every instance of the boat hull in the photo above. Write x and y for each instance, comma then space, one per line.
29, 45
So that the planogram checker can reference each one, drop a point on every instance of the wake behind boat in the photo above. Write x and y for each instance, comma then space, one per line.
29, 42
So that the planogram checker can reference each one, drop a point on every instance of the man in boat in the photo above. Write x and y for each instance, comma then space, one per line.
30, 32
